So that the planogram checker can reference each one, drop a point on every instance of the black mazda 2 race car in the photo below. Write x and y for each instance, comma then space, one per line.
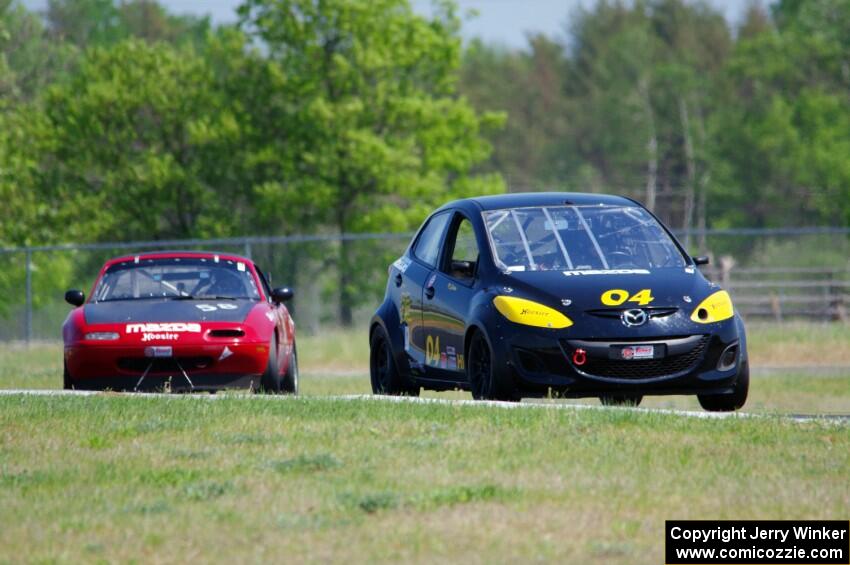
567, 294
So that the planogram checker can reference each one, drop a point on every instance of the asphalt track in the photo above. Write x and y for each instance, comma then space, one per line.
842, 419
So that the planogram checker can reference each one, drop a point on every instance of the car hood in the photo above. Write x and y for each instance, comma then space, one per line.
669, 287
168, 310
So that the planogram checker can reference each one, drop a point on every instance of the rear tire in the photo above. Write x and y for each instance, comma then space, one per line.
383, 372
621, 399
733, 401
486, 381
289, 385
270, 383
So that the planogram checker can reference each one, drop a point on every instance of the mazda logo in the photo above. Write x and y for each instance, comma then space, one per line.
632, 318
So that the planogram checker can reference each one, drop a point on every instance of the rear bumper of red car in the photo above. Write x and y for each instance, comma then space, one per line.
201, 366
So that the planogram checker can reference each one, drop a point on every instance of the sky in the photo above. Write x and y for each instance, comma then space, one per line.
498, 21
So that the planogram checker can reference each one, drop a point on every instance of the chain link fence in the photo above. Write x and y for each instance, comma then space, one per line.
777, 274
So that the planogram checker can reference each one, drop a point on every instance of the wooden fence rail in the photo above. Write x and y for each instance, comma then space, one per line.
782, 293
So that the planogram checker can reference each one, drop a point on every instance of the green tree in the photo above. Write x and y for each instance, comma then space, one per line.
610, 80
695, 43
640, 80
29, 59
84, 22
528, 85
87, 23
783, 143
148, 20
28, 218
145, 145
29, 215
377, 133
621, 104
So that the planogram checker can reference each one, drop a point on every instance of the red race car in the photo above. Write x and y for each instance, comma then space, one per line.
180, 321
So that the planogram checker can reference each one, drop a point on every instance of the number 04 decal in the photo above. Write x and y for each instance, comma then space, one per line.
616, 297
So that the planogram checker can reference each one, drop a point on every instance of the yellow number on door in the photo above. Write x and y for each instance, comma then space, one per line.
432, 350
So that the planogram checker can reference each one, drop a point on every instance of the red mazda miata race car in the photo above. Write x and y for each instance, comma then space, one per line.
180, 321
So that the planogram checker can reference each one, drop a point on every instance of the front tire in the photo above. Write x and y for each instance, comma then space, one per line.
289, 384
733, 401
270, 383
382, 368
487, 381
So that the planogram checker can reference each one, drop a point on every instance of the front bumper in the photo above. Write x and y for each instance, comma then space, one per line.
543, 361
173, 383
98, 366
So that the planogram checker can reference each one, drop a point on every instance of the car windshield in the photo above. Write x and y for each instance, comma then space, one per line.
178, 278
579, 238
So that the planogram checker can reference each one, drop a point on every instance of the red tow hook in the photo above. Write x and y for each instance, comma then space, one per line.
580, 357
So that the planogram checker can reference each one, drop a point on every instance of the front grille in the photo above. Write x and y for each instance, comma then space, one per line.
604, 367
618, 312
164, 365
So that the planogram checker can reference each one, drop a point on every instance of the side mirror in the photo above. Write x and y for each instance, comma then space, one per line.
75, 297
701, 260
463, 269
282, 294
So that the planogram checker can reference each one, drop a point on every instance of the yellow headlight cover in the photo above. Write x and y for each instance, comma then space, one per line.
715, 308
530, 313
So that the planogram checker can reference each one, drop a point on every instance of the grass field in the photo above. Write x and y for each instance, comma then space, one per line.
180, 479
250, 478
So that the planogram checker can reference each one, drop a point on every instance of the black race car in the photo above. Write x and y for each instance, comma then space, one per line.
555, 293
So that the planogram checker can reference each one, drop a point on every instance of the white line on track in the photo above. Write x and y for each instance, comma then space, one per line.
843, 419
578, 407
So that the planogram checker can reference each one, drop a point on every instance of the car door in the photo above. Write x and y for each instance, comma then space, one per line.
411, 277
446, 300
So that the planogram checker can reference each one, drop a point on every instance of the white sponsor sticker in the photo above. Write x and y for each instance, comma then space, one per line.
638, 352
160, 337
214, 307
240, 266
170, 327
402, 263
607, 272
